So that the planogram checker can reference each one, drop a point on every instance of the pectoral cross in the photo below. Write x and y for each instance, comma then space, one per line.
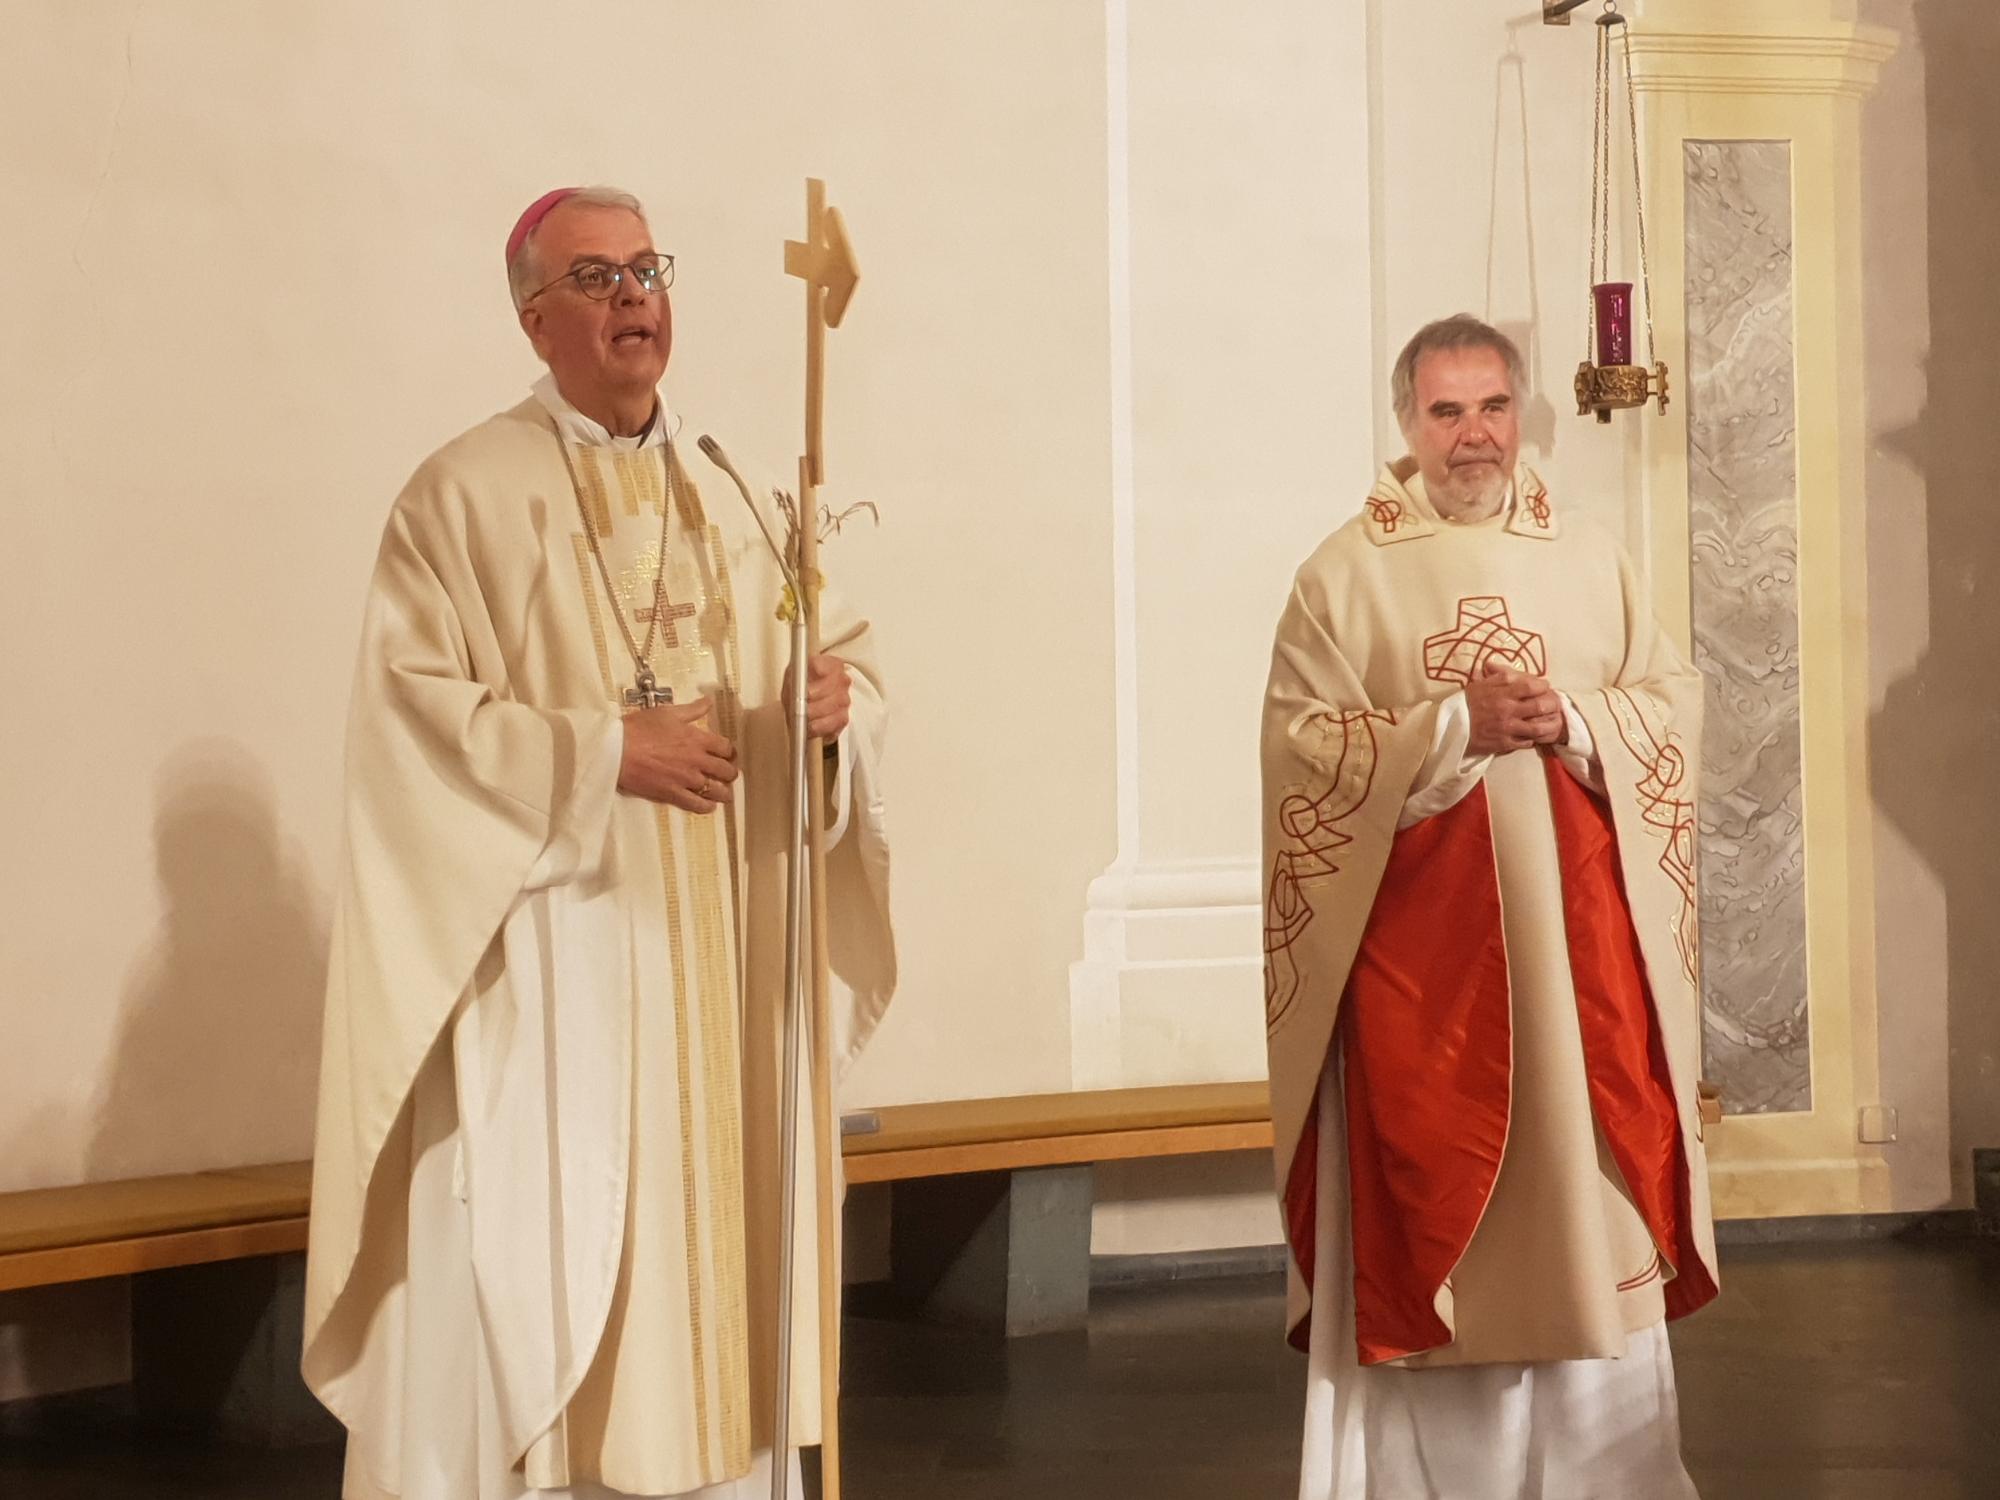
645, 692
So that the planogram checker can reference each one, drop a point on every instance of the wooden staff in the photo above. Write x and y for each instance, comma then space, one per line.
825, 262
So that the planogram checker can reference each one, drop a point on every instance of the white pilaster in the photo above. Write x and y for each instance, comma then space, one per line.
1241, 408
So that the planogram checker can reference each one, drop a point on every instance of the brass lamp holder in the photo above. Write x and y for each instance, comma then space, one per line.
1604, 389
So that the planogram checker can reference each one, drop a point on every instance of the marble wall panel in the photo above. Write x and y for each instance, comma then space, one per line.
1744, 500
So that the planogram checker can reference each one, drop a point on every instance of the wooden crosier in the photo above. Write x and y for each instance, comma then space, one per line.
825, 262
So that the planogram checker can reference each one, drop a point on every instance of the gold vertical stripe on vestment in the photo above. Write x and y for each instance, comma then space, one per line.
687, 499
719, 983
723, 1133
641, 481
669, 821
590, 478
586, 570
684, 1080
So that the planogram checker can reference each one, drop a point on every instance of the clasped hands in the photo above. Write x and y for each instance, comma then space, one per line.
673, 754
1512, 711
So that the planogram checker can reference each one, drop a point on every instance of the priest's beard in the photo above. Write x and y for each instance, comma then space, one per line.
1471, 492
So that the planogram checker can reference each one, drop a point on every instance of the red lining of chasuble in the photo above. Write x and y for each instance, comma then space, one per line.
1631, 1087
1426, 1037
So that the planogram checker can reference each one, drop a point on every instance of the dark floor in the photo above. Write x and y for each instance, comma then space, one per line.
1826, 1372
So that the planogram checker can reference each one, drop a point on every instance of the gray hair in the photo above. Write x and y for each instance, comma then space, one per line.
524, 275
1460, 331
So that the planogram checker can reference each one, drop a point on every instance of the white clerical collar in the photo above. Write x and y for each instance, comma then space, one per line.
589, 433
1416, 486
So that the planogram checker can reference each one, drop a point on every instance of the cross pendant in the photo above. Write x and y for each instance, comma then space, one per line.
645, 693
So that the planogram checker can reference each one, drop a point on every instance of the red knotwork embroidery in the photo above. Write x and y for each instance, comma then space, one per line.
1484, 633
1386, 513
1309, 824
1664, 769
1538, 508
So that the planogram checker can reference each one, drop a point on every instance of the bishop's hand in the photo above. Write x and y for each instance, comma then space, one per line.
1511, 711
672, 756
829, 696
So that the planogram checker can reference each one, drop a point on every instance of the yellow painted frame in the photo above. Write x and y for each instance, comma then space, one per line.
1800, 76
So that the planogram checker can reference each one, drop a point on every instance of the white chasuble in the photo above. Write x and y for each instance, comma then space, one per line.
1482, 1015
544, 1240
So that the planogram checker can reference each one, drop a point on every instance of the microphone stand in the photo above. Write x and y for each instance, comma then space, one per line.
797, 897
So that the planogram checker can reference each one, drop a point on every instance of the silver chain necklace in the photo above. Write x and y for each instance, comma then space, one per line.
645, 691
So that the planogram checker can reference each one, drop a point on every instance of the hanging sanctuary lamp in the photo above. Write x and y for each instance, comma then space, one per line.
1610, 379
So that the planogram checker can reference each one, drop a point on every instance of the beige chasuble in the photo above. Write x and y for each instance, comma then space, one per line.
544, 1239
1528, 1179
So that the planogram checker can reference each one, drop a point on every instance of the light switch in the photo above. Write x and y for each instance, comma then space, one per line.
1878, 1124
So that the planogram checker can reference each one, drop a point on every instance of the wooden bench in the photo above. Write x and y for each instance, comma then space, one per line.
907, 1141
211, 1344
991, 1223
991, 1211
53, 1235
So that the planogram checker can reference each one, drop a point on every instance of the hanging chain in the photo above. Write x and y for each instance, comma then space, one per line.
1604, 175
1600, 172
1638, 194
1599, 195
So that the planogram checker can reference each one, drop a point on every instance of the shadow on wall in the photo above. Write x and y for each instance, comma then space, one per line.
1510, 133
218, 1043
1939, 730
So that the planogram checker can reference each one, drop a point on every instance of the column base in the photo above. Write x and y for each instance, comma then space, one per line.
1170, 987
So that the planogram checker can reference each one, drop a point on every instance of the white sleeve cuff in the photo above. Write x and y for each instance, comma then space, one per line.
1579, 754
1448, 774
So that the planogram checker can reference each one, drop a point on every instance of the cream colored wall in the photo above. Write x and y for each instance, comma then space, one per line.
1911, 901
253, 256
1931, 200
1253, 390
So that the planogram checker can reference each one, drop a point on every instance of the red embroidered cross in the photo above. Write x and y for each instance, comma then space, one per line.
1484, 633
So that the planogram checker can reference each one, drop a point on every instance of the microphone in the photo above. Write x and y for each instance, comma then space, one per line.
712, 451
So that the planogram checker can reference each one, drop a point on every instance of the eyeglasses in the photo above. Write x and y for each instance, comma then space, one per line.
598, 279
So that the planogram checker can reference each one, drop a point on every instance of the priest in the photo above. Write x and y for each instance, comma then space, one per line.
546, 1201
1479, 755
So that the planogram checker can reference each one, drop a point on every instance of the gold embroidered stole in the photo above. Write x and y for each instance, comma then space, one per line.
617, 1427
